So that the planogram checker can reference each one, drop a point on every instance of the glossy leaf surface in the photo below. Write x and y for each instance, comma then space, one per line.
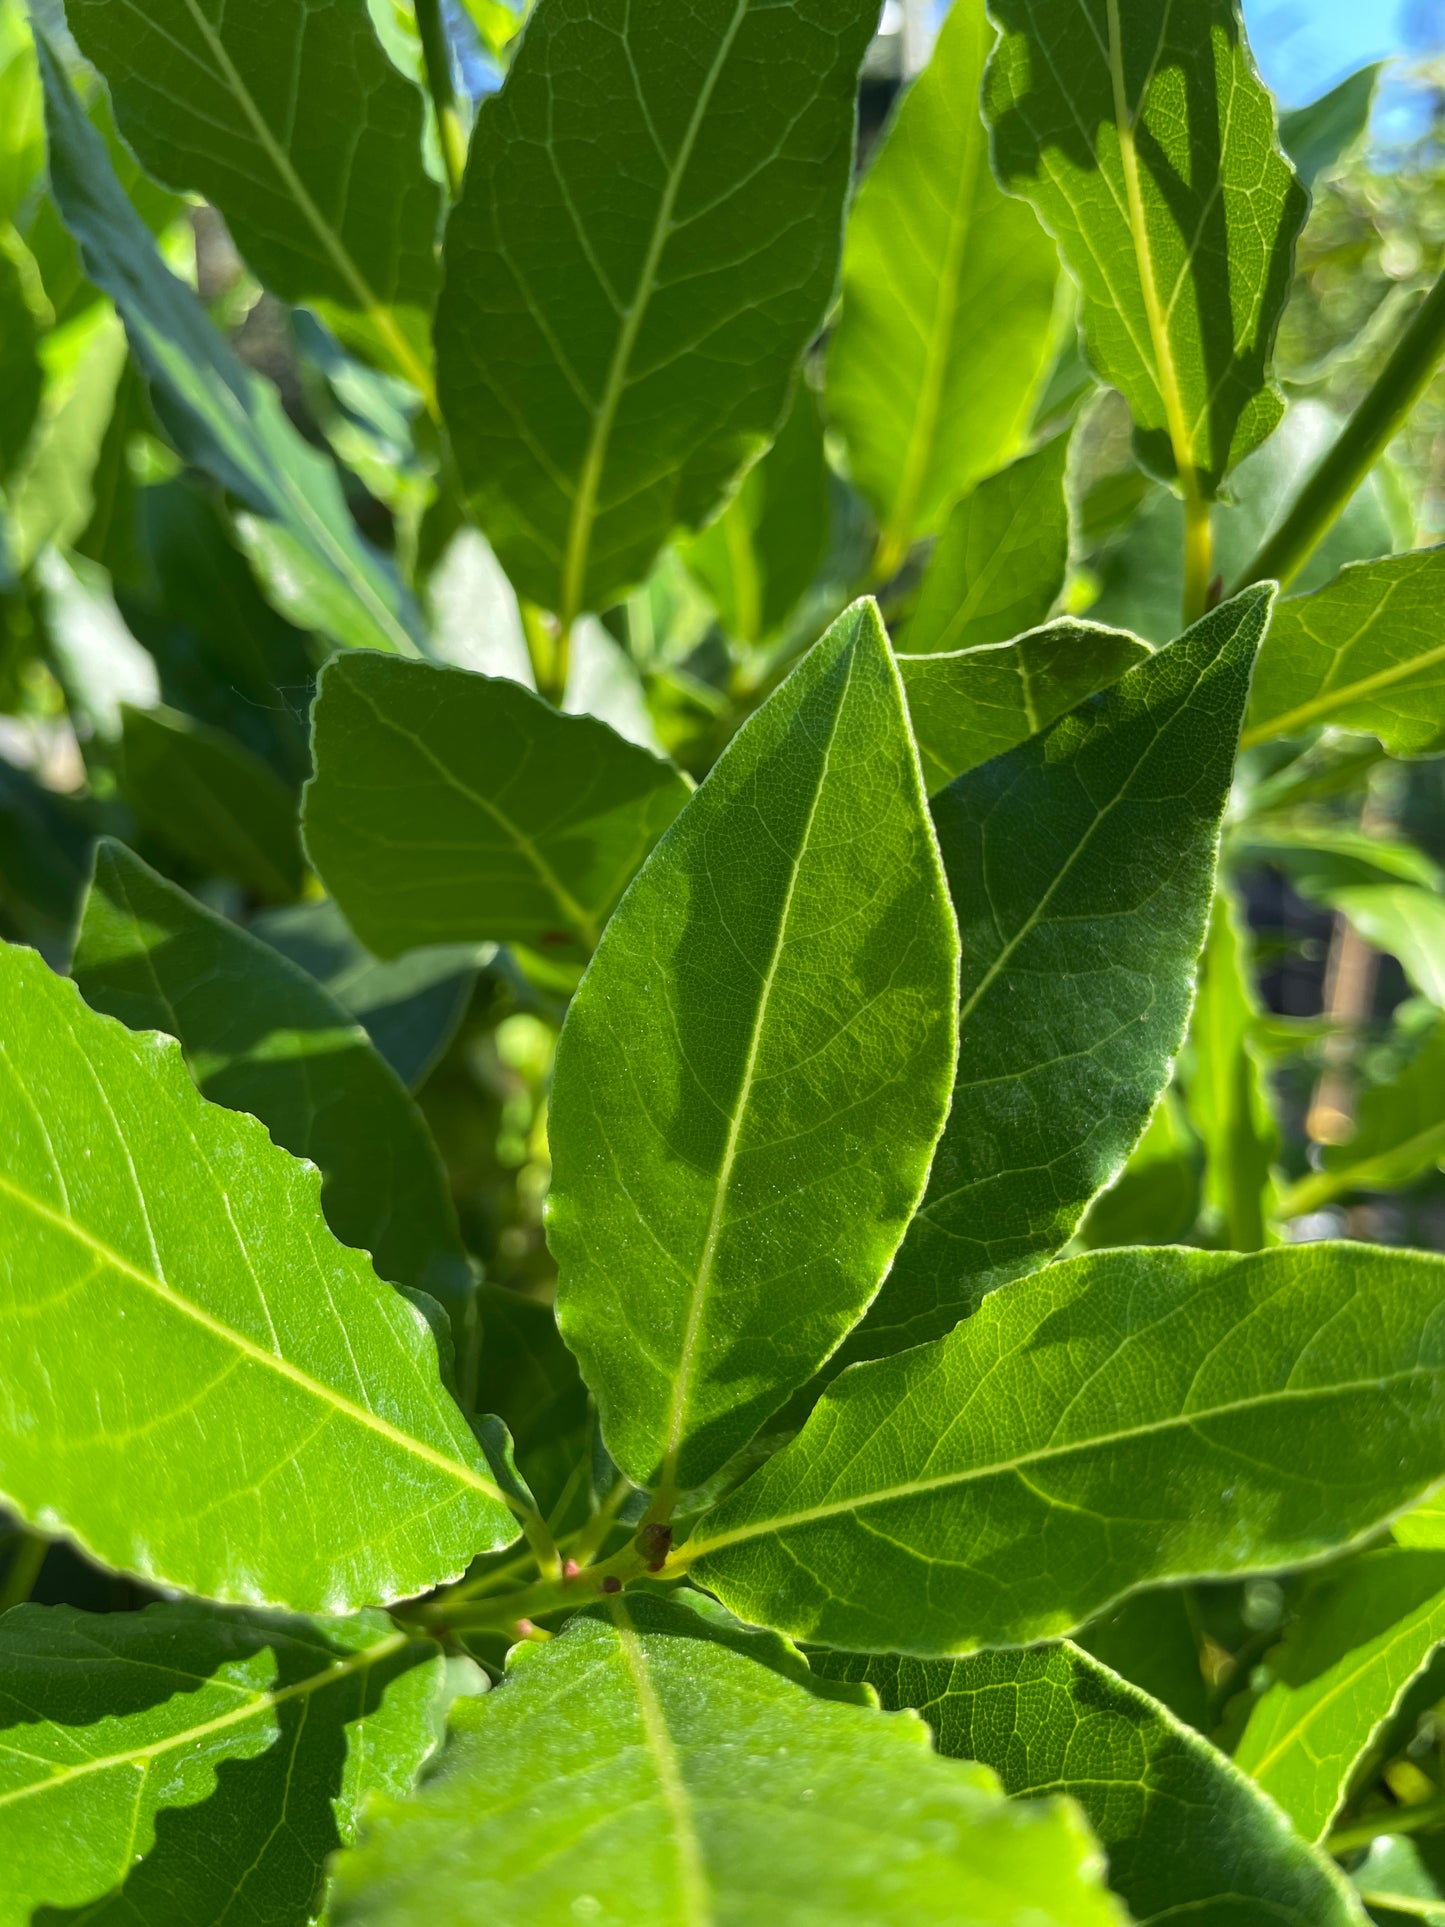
1186, 1833
1119, 1420
946, 326
211, 801
1081, 865
753, 1075
1365, 1633
225, 419
204, 1388
714, 1789
261, 1036
293, 122
448, 807
999, 565
1147, 142
1365, 652
183, 1765
973, 704
646, 242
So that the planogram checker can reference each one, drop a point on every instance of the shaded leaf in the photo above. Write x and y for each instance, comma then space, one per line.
645, 244
1113, 1422
1155, 1198
203, 1387
210, 800
1185, 1832
1081, 865
714, 1789
999, 565
1151, 1639
1363, 1635
1399, 1133
1318, 137
1147, 142
45, 845
49, 491
531, 1380
294, 123
947, 324
753, 1074
410, 1007
223, 418
760, 556
21, 376
449, 807
973, 704
261, 1036
179, 1765
1403, 1880
1365, 652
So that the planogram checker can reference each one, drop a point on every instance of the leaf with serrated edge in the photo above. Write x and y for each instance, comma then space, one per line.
261, 1036
1365, 652
191, 1763
646, 242
947, 322
1363, 1634
1113, 1422
1186, 1833
686, 1781
1082, 867
223, 418
753, 1074
973, 704
202, 1386
449, 807
1147, 142
293, 122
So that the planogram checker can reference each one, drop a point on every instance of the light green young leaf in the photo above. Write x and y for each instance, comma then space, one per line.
1126, 1418
973, 704
759, 557
261, 1036
1227, 1092
449, 807
1399, 1133
645, 245
688, 1782
49, 492
1187, 1835
1318, 137
1082, 866
1147, 142
1000, 563
753, 1075
410, 1008
1364, 1633
1365, 653
946, 330
224, 419
1155, 1198
293, 122
202, 1386
182, 1766
211, 800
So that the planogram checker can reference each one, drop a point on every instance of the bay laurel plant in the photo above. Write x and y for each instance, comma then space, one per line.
658, 1263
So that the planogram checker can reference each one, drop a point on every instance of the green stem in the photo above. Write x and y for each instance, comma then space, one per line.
1429, 1813
532, 1602
1362, 441
1198, 556
27, 1556
437, 58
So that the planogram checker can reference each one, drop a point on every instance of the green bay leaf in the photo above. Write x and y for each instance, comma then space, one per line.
645, 245
947, 323
1081, 866
687, 1781
204, 1388
182, 1764
1399, 1133
1186, 1833
449, 807
1147, 142
753, 1074
1120, 1420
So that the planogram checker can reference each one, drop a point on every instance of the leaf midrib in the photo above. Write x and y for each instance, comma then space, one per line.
1321, 706
584, 508
1044, 1454
692, 1876
255, 1705
272, 1361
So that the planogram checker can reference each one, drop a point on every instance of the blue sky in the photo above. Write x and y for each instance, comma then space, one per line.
1304, 46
